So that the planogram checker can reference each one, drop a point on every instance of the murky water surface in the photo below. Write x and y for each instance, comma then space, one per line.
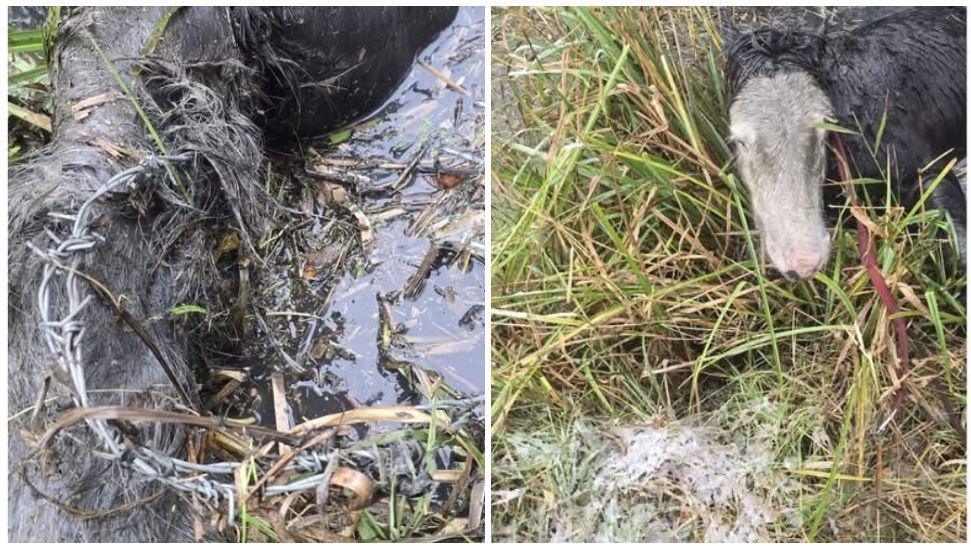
346, 304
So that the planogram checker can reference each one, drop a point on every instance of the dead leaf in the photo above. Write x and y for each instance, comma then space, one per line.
227, 245
448, 180
861, 217
82, 108
280, 413
399, 414
911, 297
332, 194
114, 150
358, 484
317, 263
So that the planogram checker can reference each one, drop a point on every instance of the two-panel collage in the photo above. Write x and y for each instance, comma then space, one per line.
487, 273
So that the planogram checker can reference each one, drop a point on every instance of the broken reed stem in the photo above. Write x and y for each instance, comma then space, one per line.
867, 256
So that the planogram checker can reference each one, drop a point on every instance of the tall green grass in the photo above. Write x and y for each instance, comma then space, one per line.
28, 94
627, 282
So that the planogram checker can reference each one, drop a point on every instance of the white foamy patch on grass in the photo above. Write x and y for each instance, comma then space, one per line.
669, 483
713, 479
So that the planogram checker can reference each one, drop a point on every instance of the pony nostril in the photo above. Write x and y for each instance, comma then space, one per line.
803, 261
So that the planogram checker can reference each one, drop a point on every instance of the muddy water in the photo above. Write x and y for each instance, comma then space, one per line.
360, 315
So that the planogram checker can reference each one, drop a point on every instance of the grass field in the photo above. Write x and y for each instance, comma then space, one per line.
28, 98
628, 289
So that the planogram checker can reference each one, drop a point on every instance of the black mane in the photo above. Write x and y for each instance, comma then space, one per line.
768, 51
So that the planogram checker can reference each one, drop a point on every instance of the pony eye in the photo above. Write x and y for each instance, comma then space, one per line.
738, 141
740, 136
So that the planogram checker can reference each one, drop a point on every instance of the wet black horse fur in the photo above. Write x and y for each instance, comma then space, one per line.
219, 85
910, 63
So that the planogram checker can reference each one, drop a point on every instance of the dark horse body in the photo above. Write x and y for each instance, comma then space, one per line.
907, 68
216, 86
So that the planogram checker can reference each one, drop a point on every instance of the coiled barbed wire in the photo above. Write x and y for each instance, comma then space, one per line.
64, 335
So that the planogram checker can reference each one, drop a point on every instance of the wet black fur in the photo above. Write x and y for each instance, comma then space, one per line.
322, 67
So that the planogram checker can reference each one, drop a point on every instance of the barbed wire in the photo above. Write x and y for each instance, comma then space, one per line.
64, 335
